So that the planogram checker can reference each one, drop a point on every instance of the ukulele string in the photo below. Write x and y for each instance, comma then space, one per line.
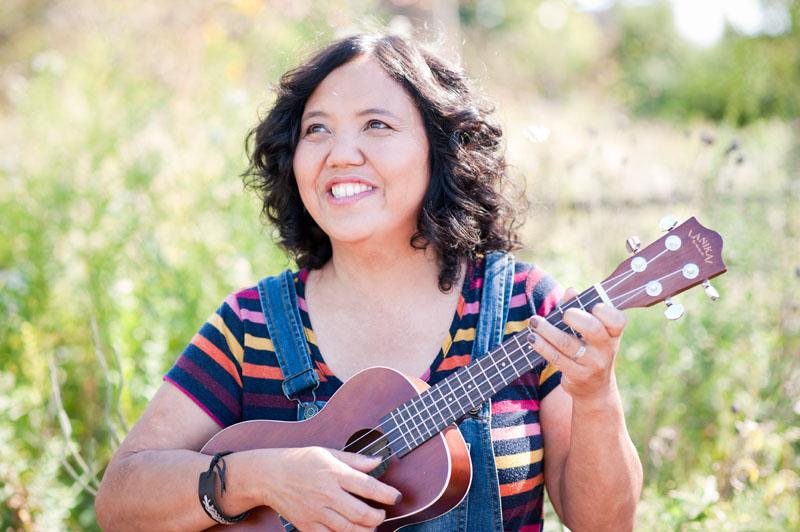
628, 274
509, 355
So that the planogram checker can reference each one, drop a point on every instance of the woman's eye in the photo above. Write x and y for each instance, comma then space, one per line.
315, 128
377, 124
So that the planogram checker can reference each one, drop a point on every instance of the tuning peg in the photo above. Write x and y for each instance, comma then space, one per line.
674, 310
711, 292
667, 223
633, 244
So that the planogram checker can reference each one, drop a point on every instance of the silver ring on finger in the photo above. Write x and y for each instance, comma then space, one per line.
579, 353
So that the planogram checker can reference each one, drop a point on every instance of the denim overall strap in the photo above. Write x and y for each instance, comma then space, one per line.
481, 510
282, 315
498, 281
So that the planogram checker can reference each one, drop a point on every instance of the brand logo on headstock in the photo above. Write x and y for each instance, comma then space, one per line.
703, 246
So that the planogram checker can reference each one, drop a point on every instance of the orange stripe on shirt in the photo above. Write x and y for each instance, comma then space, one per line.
515, 488
218, 356
257, 371
454, 362
323, 371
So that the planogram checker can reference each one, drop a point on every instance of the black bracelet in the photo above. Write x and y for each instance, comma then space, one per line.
206, 491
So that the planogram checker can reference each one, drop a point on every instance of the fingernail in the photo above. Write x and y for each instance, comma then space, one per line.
535, 322
398, 498
532, 338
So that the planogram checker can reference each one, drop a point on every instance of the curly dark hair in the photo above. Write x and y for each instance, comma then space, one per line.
464, 211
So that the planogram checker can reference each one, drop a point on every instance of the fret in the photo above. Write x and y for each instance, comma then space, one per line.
479, 365
588, 299
417, 418
556, 318
470, 387
452, 398
403, 433
504, 362
395, 436
524, 349
427, 406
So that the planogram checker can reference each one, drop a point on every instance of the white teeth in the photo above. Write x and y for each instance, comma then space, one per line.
344, 190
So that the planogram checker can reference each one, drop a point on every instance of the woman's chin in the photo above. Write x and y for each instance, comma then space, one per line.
358, 235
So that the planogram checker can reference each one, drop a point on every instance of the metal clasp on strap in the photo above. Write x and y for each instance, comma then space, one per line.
291, 378
308, 410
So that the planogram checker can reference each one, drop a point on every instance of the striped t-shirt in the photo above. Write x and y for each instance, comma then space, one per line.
230, 370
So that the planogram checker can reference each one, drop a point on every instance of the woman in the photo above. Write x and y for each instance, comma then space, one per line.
383, 172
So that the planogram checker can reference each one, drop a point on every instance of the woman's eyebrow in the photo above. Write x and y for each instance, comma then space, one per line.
370, 111
314, 114
377, 111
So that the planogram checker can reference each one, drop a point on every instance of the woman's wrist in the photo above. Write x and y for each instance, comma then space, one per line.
598, 402
244, 485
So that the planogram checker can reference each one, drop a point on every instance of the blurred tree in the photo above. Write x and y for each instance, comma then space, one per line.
739, 79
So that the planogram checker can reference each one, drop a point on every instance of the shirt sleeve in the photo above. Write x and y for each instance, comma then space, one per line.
543, 293
209, 371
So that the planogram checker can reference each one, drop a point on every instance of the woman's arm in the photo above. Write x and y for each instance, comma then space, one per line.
592, 471
151, 482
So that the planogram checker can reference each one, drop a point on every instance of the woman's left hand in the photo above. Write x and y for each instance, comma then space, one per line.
587, 363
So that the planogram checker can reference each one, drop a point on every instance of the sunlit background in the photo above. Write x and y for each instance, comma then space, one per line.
124, 223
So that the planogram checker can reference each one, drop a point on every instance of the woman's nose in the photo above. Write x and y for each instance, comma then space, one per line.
345, 151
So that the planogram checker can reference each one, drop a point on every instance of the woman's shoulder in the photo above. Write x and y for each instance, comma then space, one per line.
244, 304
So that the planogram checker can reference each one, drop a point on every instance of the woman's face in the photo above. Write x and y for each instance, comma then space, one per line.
361, 163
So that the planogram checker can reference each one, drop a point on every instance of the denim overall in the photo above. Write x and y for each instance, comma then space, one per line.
480, 510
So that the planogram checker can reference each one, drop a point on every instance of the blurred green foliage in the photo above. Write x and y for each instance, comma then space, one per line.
124, 222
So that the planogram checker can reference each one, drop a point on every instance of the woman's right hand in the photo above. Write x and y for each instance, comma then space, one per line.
316, 489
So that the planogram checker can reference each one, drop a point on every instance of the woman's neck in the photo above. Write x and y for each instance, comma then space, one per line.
381, 269
357, 272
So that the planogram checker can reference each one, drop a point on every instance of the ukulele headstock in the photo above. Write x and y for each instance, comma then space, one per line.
687, 255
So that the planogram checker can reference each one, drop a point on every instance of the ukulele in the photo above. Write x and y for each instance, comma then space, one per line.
411, 425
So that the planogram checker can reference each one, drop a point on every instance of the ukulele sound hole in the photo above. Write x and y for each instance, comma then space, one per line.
373, 443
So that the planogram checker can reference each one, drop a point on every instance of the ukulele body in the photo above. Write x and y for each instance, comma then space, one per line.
433, 478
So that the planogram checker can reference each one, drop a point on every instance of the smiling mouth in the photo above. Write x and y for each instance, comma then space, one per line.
346, 190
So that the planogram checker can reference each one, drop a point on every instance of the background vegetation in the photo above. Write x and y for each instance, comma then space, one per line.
123, 221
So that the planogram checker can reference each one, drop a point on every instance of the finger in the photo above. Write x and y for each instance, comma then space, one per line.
555, 357
336, 521
569, 293
318, 527
567, 344
356, 511
590, 327
356, 481
361, 484
360, 462
613, 319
